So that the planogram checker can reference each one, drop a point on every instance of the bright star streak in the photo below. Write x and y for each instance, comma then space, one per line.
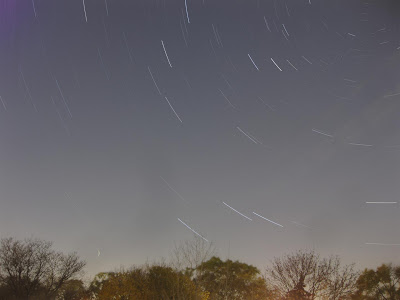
267, 219
237, 211
192, 230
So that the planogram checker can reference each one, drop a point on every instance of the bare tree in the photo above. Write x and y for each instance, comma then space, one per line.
342, 281
305, 273
190, 254
31, 267
188, 257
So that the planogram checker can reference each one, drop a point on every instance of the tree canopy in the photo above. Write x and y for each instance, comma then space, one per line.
382, 283
31, 268
231, 280
146, 283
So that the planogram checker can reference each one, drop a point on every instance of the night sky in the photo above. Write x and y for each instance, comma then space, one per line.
123, 120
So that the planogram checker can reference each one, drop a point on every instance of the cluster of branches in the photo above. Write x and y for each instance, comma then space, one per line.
32, 270
305, 275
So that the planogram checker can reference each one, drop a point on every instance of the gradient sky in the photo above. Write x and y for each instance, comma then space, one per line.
92, 155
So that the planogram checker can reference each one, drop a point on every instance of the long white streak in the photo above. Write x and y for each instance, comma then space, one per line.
184, 23
227, 82
187, 82
324, 62
27, 89
62, 97
323, 133
364, 145
173, 110
326, 26
151, 74
227, 99
276, 65
215, 34
358, 50
285, 29
382, 244
253, 62
183, 34
105, 1
212, 47
102, 63
233, 66
284, 35
258, 142
165, 51
287, 10
237, 211
192, 230
276, 10
246, 135
266, 104
300, 224
391, 95
84, 9
219, 38
306, 60
63, 122
66, 129
34, 8
266, 24
187, 13
127, 47
276, 27
381, 202
291, 65
172, 189
267, 219
2, 102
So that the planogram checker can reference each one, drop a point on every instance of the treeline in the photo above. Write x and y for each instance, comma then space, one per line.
31, 269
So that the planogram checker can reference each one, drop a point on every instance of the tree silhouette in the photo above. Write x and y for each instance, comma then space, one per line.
32, 268
306, 275
384, 283
231, 280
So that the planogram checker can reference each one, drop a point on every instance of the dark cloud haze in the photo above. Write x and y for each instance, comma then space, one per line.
95, 155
